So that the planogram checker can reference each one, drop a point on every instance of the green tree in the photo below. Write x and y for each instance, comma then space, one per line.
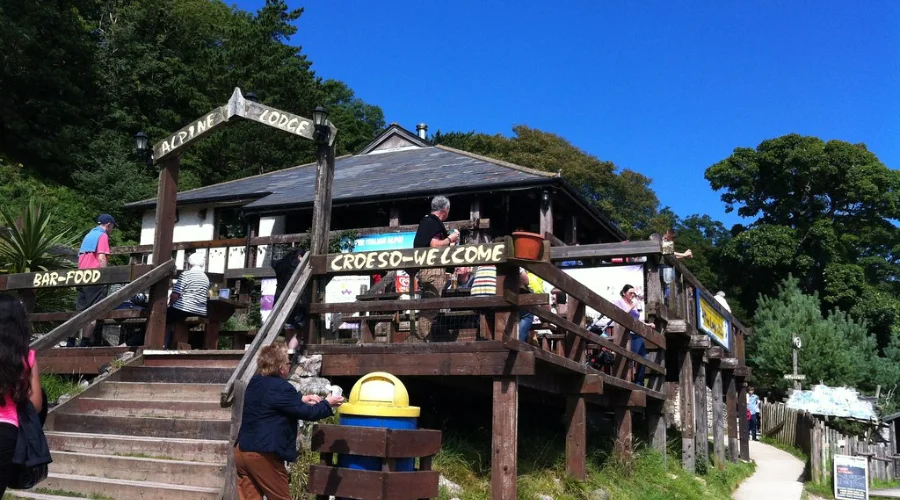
823, 212
837, 350
623, 194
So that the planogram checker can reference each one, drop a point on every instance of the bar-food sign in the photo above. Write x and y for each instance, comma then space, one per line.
851, 478
712, 322
66, 278
452, 256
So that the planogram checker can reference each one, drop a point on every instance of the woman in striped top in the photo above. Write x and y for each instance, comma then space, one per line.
188, 297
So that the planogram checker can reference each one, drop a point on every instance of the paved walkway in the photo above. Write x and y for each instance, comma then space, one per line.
778, 476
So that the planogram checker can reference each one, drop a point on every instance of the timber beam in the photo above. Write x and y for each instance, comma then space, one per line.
729, 364
700, 342
562, 384
503, 364
742, 371
715, 353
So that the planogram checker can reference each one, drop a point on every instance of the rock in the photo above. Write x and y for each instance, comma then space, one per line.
308, 366
84, 384
62, 399
310, 385
598, 494
700, 480
672, 476
544, 497
452, 488
126, 356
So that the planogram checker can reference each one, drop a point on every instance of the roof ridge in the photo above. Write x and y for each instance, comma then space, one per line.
239, 180
501, 163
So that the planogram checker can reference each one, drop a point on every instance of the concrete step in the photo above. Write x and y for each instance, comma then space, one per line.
33, 495
126, 490
201, 393
139, 408
139, 469
204, 359
173, 374
158, 427
194, 450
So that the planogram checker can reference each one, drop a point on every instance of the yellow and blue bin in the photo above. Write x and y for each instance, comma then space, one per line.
378, 399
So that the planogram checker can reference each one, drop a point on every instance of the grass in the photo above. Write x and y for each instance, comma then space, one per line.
465, 459
57, 385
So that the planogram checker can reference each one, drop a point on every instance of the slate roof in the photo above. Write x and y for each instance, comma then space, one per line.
411, 172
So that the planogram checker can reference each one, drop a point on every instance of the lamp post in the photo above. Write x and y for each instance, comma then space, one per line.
142, 146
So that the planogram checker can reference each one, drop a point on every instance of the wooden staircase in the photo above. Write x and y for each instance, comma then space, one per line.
153, 430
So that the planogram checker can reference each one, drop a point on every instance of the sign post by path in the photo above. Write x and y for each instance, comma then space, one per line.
796, 377
851, 478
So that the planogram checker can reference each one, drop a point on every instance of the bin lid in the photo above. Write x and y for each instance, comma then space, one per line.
379, 394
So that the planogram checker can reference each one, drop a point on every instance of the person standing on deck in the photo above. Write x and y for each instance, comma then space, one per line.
188, 297
432, 233
93, 254
629, 302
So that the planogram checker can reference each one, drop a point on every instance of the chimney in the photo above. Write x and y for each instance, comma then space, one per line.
422, 129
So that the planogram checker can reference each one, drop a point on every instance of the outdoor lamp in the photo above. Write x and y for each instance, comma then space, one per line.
545, 198
251, 96
320, 120
142, 145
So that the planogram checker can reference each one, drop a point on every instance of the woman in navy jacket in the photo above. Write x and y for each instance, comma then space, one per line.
268, 434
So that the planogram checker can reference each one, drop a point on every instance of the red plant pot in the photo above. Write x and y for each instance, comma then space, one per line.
528, 245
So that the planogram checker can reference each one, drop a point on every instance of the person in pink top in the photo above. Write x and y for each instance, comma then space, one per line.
19, 379
93, 254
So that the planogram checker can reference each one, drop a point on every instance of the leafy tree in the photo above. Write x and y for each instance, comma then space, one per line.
823, 212
837, 349
624, 195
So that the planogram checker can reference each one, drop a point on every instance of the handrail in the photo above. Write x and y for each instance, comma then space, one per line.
610, 250
585, 295
270, 329
292, 238
681, 268
103, 307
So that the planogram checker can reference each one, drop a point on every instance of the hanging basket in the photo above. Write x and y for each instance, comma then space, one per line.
528, 245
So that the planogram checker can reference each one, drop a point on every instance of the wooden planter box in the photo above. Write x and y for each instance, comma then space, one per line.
389, 444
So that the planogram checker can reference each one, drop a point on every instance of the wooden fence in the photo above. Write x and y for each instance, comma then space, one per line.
820, 443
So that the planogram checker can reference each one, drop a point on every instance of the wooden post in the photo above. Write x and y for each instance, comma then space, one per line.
576, 437
546, 214
506, 321
237, 413
656, 421
504, 438
570, 234
715, 376
686, 396
162, 248
742, 418
321, 223
701, 405
395, 217
623, 428
731, 414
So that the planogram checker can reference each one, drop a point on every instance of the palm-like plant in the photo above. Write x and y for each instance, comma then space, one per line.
27, 244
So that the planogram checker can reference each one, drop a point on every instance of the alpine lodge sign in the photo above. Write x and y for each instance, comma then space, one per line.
452, 256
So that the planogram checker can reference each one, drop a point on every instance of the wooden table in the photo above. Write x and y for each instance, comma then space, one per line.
218, 311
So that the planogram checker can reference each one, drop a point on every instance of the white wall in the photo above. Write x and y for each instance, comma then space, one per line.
195, 223
267, 227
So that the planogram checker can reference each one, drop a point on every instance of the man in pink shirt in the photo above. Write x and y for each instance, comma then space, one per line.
93, 254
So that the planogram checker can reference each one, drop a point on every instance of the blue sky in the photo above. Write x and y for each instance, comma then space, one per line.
663, 88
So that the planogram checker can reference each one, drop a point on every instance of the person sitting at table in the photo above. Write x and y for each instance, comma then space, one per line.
268, 434
188, 298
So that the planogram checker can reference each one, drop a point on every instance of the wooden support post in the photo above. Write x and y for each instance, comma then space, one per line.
321, 223
623, 448
570, 235
686, 396
575, 345
237, 413
714, 376
742, 418
546, 214
395, 217
162, 248
701, 406
576, 437
506, 321
622, 338
656, 423
731, 414
504, 438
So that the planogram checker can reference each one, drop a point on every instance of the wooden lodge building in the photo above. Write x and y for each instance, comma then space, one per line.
387, 187
186, 406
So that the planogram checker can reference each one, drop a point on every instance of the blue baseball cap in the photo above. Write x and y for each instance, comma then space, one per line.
106, 219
